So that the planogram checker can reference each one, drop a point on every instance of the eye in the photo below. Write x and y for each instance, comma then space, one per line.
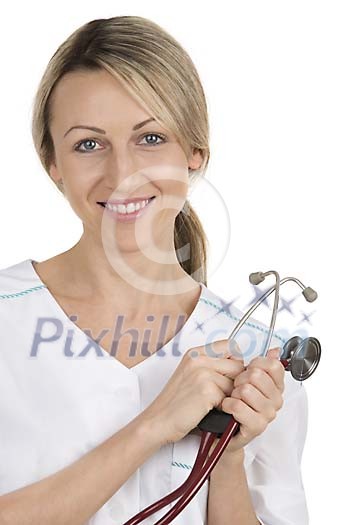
89, 142
162, 137
86, 142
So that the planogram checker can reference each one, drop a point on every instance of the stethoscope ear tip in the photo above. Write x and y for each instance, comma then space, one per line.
310, 294
256, 277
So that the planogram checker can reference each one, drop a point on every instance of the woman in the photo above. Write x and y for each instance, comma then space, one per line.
99, 427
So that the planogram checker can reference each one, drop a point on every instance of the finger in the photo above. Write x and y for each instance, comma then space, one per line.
229, 367
225, 384
273, 353
259, 379
251, 422
222, 349
273, 367
216, 349
267, 407
226, 367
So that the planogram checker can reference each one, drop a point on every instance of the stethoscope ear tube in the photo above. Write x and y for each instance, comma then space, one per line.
299, 356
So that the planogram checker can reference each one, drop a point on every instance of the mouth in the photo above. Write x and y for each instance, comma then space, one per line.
128, 210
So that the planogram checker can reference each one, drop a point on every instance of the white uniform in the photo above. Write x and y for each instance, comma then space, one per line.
63, 395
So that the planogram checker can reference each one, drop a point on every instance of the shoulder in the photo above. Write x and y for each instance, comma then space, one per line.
17, 281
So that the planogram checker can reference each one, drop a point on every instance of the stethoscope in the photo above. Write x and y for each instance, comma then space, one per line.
299, 356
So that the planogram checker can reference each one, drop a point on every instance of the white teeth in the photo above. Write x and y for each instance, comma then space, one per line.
129, 208
121, 208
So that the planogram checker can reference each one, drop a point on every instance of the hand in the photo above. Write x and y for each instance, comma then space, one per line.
199, 383
255, 399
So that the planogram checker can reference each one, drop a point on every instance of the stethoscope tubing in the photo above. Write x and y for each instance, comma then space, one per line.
276, 287
203, 464
207, 439
196, 479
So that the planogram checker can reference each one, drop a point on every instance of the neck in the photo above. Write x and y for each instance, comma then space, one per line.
137, 279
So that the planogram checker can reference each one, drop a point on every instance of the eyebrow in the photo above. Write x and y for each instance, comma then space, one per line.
98, 130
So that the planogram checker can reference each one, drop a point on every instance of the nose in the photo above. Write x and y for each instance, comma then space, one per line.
121, 171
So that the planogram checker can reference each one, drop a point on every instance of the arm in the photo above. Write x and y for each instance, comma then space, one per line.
67, 496
229, 498
274, 477
271, 488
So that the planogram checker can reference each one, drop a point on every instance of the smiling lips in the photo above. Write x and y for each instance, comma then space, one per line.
132, 209
127, 200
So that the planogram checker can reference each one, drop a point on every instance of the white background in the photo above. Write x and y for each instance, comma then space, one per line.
269, 70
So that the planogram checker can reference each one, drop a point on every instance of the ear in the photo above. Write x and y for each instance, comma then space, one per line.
54, 174
195, 160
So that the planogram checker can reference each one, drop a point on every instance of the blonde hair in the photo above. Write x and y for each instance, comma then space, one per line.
161, 76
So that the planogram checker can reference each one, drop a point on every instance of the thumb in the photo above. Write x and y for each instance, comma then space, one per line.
273, 353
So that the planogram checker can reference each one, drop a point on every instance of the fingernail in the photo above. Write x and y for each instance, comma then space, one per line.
274, 352
235, 349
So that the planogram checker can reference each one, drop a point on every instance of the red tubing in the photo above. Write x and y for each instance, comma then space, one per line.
205, 471
202, 475
207, 439
200, 472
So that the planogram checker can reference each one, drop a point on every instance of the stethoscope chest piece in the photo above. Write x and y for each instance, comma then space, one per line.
301, 356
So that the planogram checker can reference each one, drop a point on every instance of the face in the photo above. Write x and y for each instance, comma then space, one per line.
115, 161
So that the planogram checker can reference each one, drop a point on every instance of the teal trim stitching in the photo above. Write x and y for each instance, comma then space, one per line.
181, 465
264, 330
20, 294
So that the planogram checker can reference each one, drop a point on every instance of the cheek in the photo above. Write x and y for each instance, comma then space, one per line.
173, 196
77, 193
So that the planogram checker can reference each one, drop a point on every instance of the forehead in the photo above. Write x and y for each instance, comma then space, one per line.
93, 95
